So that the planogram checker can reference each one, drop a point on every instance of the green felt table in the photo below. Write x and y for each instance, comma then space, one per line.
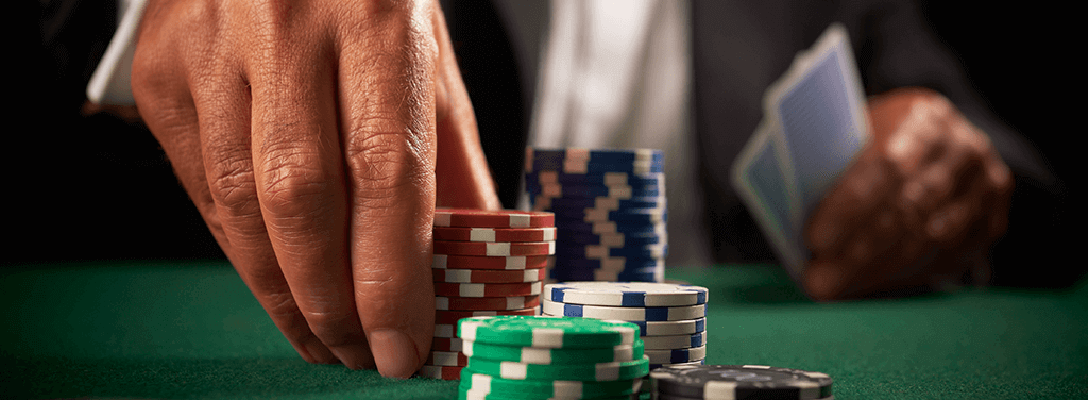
192, 330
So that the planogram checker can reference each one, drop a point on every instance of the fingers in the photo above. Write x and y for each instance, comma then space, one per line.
297, 178
210, 153
945, 187
850, 204
387, 108
462, 175
851, 227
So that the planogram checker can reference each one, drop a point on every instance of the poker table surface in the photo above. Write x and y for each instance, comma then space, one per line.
150, 330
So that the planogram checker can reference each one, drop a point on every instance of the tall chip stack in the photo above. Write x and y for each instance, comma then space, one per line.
485, 263
536, 358
671, 317
609, 208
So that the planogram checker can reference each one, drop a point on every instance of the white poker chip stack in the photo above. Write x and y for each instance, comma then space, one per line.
672, 317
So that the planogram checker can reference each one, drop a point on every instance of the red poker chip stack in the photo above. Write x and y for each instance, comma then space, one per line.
485, 263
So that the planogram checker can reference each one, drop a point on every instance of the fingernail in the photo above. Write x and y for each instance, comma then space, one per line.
394, 353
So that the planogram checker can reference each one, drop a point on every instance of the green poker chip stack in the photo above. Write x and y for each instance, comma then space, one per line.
539, 357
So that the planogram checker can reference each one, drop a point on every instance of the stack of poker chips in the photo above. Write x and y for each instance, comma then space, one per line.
699, 382
485, 263
609, 207
530, 358
671, 317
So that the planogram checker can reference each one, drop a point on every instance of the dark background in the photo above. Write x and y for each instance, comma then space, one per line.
100, 188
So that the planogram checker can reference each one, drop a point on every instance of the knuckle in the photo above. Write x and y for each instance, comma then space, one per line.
292, 180
383, 163
230, 180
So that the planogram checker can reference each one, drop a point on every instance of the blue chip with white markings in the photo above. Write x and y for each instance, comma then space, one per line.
633, 294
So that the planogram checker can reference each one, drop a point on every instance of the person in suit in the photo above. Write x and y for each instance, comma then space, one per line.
306, 133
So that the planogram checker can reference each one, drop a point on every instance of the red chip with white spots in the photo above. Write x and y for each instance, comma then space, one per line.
440, 372
485, 303
493, 219
447, 358
485, 290
487, 275
446, 261
494, 248
451, 317
445, 344
494, 234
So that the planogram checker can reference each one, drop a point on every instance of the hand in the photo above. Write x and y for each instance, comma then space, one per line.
308, 134
921, 205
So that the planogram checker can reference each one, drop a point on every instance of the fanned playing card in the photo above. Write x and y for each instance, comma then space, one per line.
816, 111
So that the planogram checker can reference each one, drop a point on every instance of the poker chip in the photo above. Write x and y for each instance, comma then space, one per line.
599, 372
665, 328
486, 303
606, 178
487, 276
484, 290
624, 313
714, 382
440, 372
469, 394
626, 274
493, 219
607, 204
487, 384
547, 332
447, 358
668, 328
598, 252
494, 234
485, 264
547, 356
581, 166
668, 397
676, 356
620, 264
446, 261
687, 364
542, 202
615, 192
446, 344
596, 155
638, 215
697, 339
611, 239
634, 294
451, 317
576, 224
494, 248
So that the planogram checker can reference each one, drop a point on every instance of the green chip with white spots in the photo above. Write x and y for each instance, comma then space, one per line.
548, 332
486, 386
545, 356
600, 372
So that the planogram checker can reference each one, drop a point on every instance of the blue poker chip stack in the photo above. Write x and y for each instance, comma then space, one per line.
609, 210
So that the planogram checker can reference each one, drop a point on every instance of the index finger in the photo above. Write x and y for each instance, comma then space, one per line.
387, 108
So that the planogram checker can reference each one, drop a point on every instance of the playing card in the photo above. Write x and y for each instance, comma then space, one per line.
821, 107
759, 176
814, 125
